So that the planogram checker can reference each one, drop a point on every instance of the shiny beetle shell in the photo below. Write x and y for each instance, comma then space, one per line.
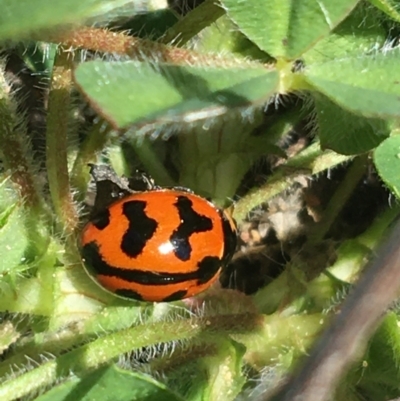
158, 246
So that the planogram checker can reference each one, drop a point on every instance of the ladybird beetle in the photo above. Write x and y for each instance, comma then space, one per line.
157, 245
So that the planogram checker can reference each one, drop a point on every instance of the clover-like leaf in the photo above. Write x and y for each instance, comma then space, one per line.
345, 132
356, 36
387, 162
380, 373
108, 383
128, 93
287, 28
13, 233
223, 37
368, 85
19, 18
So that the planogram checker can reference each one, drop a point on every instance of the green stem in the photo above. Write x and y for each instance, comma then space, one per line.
57, 144
310, 161
105, 349
339, 200
93, 144
375, 233
352, 254
16, 150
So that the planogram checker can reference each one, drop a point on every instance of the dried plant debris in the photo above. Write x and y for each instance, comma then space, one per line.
271, 235
278, 231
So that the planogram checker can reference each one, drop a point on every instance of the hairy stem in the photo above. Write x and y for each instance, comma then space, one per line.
310, 161
105, 349
16, 150
57, 144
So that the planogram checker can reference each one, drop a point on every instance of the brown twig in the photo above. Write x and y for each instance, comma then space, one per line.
119, 43
350, 330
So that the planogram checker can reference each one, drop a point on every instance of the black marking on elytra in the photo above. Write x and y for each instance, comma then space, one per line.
125, 293
208, 268
230, 240
176, 296
191, 222
141, 228
95, 264
91, 256
101, 220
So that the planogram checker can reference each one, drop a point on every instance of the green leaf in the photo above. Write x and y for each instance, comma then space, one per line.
39, 57
287, 28
387, 162
380, 373
110, 383
345, 132
132, 92
389, 7
13, 239
225, 374
8, 196
13, 235
208, 157
217, 369
367, 85
76, 295
222, 37
32, 295
19, 18
361, 32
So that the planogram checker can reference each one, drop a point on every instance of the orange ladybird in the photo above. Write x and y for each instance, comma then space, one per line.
158, 245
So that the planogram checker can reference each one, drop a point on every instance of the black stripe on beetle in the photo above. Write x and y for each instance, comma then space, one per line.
208, 267
191, 222
129, 294
176, 296
230, 239
141, 228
